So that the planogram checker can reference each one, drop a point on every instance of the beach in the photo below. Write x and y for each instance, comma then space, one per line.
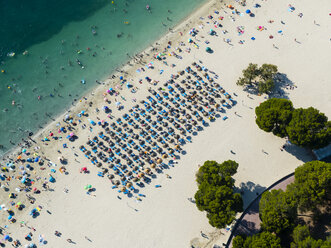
164, 216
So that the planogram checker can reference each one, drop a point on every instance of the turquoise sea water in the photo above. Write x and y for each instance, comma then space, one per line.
53, 33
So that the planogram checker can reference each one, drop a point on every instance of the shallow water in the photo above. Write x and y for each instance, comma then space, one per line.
58, 34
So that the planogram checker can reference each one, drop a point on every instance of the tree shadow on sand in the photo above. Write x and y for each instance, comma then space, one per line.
282, 83
303, 154
249, 191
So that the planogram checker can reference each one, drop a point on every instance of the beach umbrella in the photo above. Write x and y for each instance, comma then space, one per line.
164, 156
141, 174
123, 189
135, 179
248, 11
159, 161
153, 154
129, 185
147, 170
135, 136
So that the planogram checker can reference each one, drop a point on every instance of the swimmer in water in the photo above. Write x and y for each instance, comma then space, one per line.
39, 98
13, 102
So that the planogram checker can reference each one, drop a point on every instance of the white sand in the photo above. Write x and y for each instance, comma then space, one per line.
165, 218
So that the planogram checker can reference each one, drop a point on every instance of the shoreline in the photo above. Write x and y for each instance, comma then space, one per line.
108, 81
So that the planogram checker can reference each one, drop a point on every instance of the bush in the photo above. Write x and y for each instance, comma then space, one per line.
309, 128
303, 127
277, 211
261, 240
215, 193
312, 185
274, 115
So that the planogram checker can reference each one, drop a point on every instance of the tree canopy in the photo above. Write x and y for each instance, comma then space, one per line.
309, 128
303, 127
302, 239
277, 211
262, 79
299, 233
261, 240
274, 115
215, 193
312, 185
